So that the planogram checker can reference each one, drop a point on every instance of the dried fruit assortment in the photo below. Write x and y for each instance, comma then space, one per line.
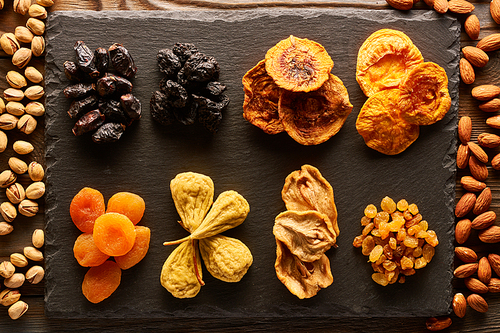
293, 90
107, 233
404, 91
190, 91
227, 259
397, 240
102, 101
305, 232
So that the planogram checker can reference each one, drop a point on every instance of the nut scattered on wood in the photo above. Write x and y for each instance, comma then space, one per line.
464, 129
490, 235
489, 43
466, 254
463, 155
460, 6
472, 27
483, 202
467, 71
465, 270
485, 92
440, 6
471, 184
463, 230
476, 56
495, 10
459, 305
477, 302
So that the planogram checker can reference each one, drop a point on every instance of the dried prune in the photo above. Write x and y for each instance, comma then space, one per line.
85, 59
122, 61
101, 60
201, 68
184, 51
81, 106
215, 88
168, 62
160, 110
88, 122
185, 115
176, 95
108, 132
113, 112
72, 71
131, 105
209, 112
79, 90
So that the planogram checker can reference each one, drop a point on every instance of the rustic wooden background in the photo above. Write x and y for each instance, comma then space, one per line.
35, 321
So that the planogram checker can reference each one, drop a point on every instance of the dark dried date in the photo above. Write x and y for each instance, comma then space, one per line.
122, 61
101, 60
109, 132
85, 59
72, 72
81, 106
113, 112
131, 105
88, 122
79, 90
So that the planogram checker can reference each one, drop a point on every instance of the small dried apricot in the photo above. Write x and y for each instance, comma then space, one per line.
139, 250
86, 252
86, 206
114, 234
129, 204
101, 281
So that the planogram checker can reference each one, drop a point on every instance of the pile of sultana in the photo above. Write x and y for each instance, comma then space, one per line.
403, 91
305, 232
293, 90
396, 240
226, 258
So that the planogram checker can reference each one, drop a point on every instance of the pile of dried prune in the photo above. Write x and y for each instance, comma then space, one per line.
190, 90
102, 98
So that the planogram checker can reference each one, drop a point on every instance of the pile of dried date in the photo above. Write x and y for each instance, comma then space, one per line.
190, 90
102, 101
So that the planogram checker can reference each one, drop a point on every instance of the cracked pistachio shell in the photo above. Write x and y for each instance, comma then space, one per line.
38, 238
9, 296
16, 79
36, 26
9, 43
32, 253
28, 208
35, 274
7, 178
36, 172
23, 34
2, 105
34, 92
18, 260
35, 109
15, 193
17, 309
37, 11
7, 269
13, 94
38, 46
8, 211
21, 57
27, 124
3, 141
35, 190
17, 165
22, 147
21, 6
33, 74
15, 108
5, 229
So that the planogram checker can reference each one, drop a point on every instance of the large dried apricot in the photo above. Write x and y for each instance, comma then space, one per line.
298, 64
114, 234
129, 204
138, 251
384, 59
86, 206
101, 281
86, 252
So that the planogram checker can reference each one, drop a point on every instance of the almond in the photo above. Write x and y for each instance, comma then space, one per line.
472, 26
493, 122
472, 185
459, 305
489, 43
440, 6
484, 220
465, 254
475, 285
465, 270
465, 204
476, 56
477, 151
495, 10
464, 129
429, 2
437, 324
490, 235
494, 285
485, 92
460, 6
401, 4
467, 71
483, 202
495, 162
494, 260
484, 270
477, 168
463, 155
488, 140
477, 303
463, 230
490, 106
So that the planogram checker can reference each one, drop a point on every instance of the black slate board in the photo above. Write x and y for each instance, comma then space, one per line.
243, 158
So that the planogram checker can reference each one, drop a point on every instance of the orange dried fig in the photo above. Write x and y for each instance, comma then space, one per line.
260, 107
314, 117
384, 59
424, 94
381, 126
298, 64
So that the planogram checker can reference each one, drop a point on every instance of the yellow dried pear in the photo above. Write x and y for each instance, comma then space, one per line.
180, 275
226, 258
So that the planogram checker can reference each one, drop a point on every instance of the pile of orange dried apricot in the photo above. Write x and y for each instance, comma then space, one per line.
107, 233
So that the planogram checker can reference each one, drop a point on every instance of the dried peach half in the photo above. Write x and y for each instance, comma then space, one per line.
260, 107
314, 117
384, 59
381, 126
424, 94
298, 64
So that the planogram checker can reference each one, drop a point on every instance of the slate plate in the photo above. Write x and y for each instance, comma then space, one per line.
243, 158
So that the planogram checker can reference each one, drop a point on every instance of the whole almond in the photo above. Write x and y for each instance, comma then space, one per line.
465, 270
493, 122
483, 202
476, 285
437, 324
429, 2
477, 303
494, 260
484, 220
495, 10
463, 230
471, 184
477, 168
477, 151
484, 270
495, 162
465, 254
490, 235
488, 140
476, 56
463, 155
400, 4
489, 43
472, 27
460, 6
459, 305
485, 92
440, 6
491, 105
467, 71
464, 129
465, 204
494, 285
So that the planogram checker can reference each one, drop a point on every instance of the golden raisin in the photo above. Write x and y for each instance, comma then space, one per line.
376, 253
370, 211
388, 205
380, 279
412, 208
402, 205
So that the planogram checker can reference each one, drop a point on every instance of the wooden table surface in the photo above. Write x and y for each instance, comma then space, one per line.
35, 321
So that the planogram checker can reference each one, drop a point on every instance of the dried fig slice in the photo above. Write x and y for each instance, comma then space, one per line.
313, 118
298, 64
260, 106
304, 233
384, 59
424, 94
307, 189
226, 258
303, 279
381, 126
